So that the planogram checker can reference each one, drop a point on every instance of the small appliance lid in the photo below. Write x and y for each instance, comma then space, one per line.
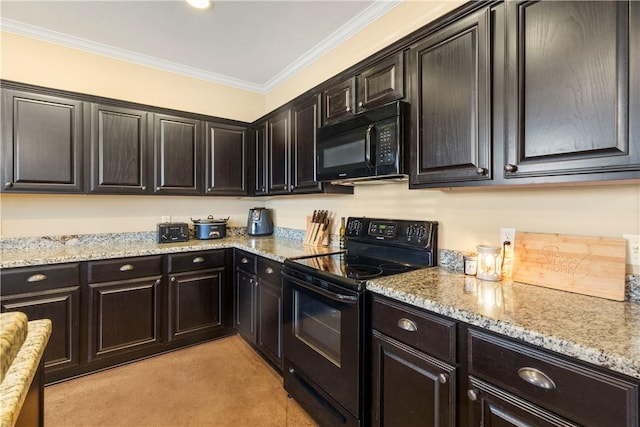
210, 220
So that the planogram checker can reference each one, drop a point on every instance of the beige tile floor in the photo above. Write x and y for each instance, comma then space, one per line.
220, 383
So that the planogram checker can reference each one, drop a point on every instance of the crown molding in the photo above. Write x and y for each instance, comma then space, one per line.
370, 14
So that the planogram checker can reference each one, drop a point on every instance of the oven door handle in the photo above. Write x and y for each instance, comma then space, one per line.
347, 299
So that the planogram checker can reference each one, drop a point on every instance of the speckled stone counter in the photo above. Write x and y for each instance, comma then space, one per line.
13, 332
599, 331
276, 248
15, 386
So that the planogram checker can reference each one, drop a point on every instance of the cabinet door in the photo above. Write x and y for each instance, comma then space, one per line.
450, 138
42, 143
279, 136
177, 154
381, 83
195, 303
409, 387
269, 339
493, 407
303, 147
124, 317
573, 88
119, 150
48, 292
338, 101
245, 305
226, 160
261, 159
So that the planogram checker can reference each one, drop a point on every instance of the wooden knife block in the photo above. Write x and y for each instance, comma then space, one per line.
315, 234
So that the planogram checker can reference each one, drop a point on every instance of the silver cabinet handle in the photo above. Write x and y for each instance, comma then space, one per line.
443, 378
158, 282
158, 188
472, 394
144, 187
173, 279
37, 278
127, 267
198, 260
244, 261
269, 270
360, 104
407, 325
536, 377
209, 189
510, 168
481, 171
348, 109
8, 184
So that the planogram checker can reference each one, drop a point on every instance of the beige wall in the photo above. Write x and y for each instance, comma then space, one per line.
467, 217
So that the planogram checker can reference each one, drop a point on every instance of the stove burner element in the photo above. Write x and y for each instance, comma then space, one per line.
395, 268
359, 271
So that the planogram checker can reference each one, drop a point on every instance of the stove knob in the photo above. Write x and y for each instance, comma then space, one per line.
421, 233
410, 231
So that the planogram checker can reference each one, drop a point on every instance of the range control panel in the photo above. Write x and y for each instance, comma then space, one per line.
399, 232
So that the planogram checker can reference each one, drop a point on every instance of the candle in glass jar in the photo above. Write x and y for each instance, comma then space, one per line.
489, 263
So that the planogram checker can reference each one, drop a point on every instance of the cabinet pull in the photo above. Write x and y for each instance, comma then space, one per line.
158, 188
209, 189
158, 282
8, 184
443, 378
472, 394
360, 104
37, 278
244, 261
269, 270
407, 325
198, 260
481, 171
510, 168
173, 279
127, 267
536, 377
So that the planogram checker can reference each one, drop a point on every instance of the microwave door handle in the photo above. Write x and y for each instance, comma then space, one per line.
367, 146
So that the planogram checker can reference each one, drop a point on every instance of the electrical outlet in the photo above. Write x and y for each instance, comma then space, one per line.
508, 235
633, 249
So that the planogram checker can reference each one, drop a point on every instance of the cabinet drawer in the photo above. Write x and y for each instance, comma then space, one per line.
123, 268
246, 261
582, 394
432, 334
195, 261
27, 279
269, 270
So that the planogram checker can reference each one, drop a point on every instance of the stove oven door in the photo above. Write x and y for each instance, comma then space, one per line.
322, 342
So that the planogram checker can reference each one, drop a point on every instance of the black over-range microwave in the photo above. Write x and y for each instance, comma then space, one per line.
367, 146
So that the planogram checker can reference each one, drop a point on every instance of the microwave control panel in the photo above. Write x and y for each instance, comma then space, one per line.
386, 146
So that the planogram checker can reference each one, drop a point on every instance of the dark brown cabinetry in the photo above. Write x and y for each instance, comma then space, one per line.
48, 292
197, 295
245, 294
269, 311
119, 150
509, 377
381, 83
413, 367
261, 159
226, 160
124, 307
573, 96
451, 114
279, 143
338, 101
42, 143
303, 146
177, 155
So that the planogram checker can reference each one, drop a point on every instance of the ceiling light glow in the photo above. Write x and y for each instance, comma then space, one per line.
200, 4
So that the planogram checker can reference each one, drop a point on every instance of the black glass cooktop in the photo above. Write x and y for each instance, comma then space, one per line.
353, 267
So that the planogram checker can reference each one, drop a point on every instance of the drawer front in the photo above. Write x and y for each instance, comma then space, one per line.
431, 334
269, 270
246, 261
28, 279
195, 261
572, 390
123, 268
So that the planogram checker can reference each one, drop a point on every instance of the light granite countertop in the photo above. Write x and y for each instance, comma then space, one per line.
275, 248
13, 332
15, 385
599, 331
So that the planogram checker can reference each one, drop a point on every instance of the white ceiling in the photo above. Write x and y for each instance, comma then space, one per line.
254, 44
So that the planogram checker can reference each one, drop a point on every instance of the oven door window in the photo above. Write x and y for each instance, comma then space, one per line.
317, 325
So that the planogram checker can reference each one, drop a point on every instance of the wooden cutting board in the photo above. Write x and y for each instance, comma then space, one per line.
586, 265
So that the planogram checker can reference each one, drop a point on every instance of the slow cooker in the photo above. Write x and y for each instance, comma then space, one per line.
209, 228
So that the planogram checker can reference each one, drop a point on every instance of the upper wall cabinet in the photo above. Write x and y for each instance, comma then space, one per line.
119, 150
177, 155
573, 92
377, 84
303, 146
226, 160
261, 159
42, 143
279, 140
451, 114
